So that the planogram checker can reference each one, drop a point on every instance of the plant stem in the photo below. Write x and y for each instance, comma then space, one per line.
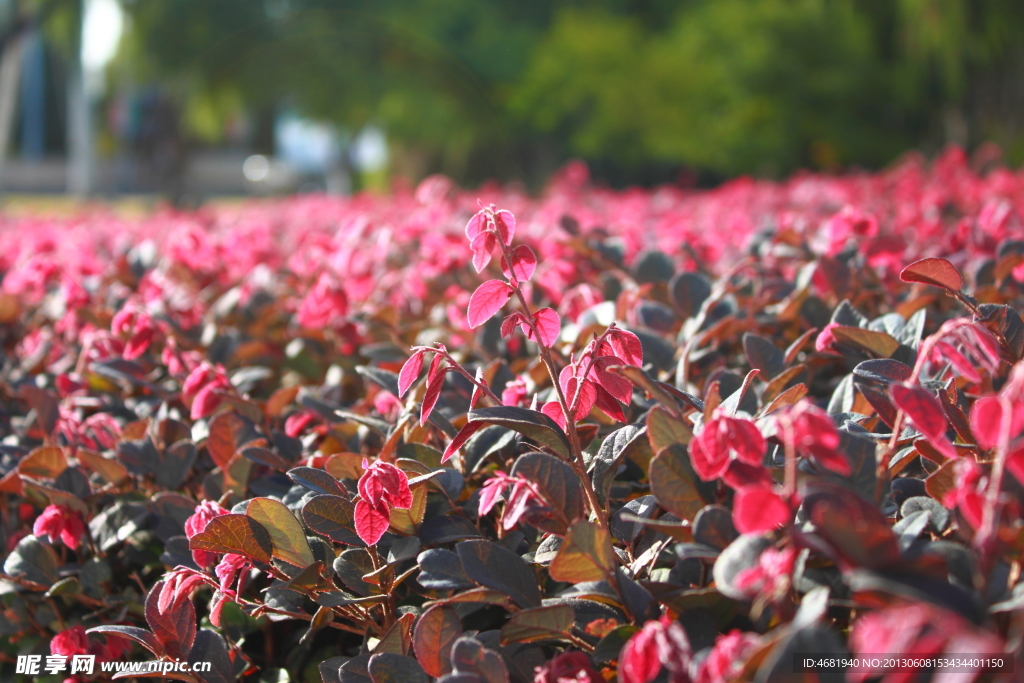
790, 453
989, 521
575, 447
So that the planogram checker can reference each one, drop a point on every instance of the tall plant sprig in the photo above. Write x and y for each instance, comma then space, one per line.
578, 386
960, 346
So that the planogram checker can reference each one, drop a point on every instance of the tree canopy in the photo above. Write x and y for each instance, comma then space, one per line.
484, 88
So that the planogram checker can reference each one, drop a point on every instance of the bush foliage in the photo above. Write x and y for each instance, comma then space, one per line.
480, 437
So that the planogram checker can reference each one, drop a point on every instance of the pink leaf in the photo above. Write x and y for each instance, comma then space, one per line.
476, 225
511, 321
491, 492
138, 343
371, 521
987, 421
205, 402
461, 438
435, 365
937, 272
505, 223
382, 481
950, 353
553, 409
1015, 464
709, 464
608, 405
830, 458
923, 409
409, 372
433, 392
524, 263
481, 257
757, 509
749, 443
616, 385
486, 301
740, 474
549, 326
624, 345
478, 392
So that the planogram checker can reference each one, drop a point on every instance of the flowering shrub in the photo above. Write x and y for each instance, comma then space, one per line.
477, 437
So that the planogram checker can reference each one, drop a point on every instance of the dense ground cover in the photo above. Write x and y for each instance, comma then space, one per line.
706, 431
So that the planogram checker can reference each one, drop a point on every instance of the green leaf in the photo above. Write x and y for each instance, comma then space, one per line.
311, 581
286, 534
239, 534
609, 647
436, 631
553, 622
497, 567
664, 430
659, 391
713, 526
209, 646
317, 480
674, 483
431, 457
392, 668
763, 355
585, 555
606, 462
530, 423
688, 292
351, 566
45, 462
441, 570
470, 656
332, 517
139, 635
33, 561
879, 344
228, 431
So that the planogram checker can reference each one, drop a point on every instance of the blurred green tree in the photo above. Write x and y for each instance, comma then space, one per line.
484, 88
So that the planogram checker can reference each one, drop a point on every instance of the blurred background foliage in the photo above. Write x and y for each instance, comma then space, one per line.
642, 89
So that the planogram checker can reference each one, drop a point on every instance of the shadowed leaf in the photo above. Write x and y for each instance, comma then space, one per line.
209, 646
675, 484
393, 668
228, 431
530, 423
494, 566
332, 517
442, 570
139, 635
557, 483
664, 430
175, 628
317, 480
553, 622
469, 656
879, 344
34, 561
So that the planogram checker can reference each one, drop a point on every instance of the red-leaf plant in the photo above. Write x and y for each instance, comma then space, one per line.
961, 347
582, 383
